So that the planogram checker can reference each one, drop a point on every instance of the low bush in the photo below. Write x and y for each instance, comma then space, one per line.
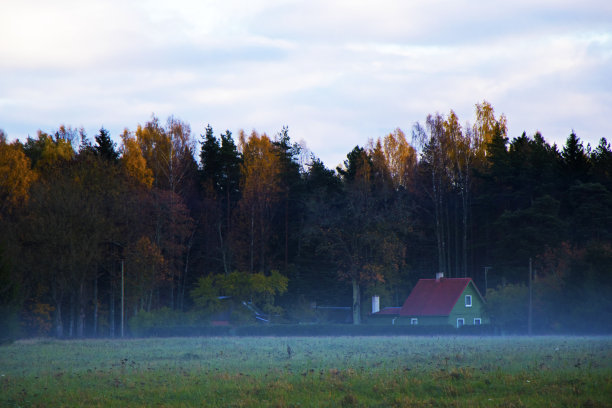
187, 331
9, 325
146, 324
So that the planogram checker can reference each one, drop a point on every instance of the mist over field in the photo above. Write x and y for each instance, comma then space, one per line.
309, 371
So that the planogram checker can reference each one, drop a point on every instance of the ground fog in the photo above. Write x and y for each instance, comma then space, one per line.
309, 371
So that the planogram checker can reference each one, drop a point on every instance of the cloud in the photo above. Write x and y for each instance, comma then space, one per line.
336, 72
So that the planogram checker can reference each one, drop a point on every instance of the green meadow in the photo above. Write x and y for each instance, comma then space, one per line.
309, 372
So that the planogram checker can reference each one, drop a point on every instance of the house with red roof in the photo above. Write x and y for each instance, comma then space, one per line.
440, 301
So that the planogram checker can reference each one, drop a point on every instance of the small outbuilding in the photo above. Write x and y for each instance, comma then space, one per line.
440, 301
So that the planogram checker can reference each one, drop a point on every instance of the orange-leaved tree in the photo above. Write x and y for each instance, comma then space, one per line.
16, 176
261, 188
133, 161
401, 159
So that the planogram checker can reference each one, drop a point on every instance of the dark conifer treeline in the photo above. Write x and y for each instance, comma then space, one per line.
76, 216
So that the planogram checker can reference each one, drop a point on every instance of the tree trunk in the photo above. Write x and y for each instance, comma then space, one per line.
356, 302
286, 233
456, 241
111, 311
448, 240
465, 230
95, 313
80, 326
150, 297
58, 321
181, 299
262, 243
172, 289
59, 326
223, 250
72, 313
438, 201
252, 237
227, 262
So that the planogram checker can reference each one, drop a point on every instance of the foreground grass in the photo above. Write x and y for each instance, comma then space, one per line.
324, 371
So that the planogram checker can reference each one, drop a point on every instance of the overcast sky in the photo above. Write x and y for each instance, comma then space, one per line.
336, 72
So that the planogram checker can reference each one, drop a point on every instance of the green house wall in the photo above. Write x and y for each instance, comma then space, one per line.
477, 310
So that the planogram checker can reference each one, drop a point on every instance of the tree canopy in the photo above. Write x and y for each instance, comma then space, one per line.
182, 229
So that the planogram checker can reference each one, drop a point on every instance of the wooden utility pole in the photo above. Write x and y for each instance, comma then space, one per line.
530, 315
122, 297
486, 271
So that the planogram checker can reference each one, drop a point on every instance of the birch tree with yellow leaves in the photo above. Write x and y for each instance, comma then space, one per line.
16, 176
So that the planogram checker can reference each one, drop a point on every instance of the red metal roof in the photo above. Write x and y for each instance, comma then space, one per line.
434, 298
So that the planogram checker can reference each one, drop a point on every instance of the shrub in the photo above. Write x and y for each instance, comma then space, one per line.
147, 323
216, 293
507, 307
9, 324
10, 301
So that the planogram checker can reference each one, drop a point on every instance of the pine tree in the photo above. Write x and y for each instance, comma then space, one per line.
105, 147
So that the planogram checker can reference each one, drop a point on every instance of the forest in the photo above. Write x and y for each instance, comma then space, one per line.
171, 223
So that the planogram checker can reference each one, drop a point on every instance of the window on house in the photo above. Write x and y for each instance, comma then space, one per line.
468, 300
477, 321
460, 322
414, 320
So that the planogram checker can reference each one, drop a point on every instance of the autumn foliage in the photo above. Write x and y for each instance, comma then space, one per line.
90, 228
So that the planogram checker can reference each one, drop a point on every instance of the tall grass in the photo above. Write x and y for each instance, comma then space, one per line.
324, 371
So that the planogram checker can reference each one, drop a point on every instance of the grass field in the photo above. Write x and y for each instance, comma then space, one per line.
319, 372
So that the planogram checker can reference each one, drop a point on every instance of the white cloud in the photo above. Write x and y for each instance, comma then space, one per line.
336, 72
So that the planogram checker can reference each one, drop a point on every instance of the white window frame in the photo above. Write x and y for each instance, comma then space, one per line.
468, 297
462, 320
477, 321
414, 321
